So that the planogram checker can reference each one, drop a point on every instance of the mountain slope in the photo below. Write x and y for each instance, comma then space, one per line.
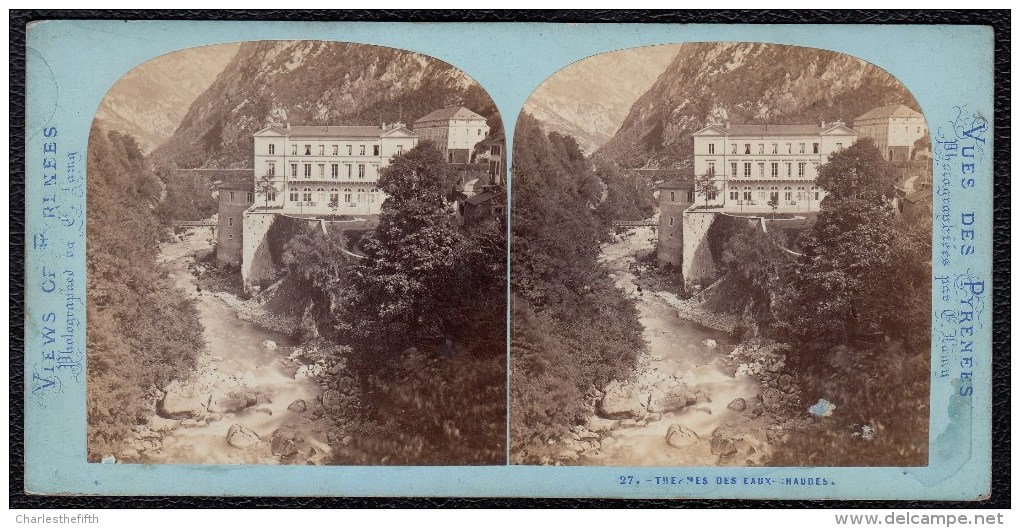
746, 83
150, 101
314, 82
590, 98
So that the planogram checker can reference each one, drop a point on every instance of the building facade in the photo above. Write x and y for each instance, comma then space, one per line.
674, 198
752, 165
492, 153
894, 129
455, 132
234, 199
323, 170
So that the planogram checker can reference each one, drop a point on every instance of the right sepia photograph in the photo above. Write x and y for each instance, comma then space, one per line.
721, 256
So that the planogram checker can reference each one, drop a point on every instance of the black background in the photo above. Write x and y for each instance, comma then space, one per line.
998, 20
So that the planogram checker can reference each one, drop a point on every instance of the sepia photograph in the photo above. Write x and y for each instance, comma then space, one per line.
721, 256
353, 259
296, 255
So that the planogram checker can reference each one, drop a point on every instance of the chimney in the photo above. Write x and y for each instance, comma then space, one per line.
823, 124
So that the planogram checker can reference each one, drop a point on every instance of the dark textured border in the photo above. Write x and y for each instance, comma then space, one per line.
999, 20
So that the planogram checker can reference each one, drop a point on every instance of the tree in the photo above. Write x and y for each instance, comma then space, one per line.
851, 280
774, 204
411, 256
858, 172
706, 186
266, 185
759, 268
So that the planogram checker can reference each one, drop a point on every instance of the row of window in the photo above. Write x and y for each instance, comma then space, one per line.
250, 197
321, 150
334, 170
306, 195
788, 148
773, 193
773, 168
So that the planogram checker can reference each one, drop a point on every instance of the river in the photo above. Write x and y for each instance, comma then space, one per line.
235, 360
676, 348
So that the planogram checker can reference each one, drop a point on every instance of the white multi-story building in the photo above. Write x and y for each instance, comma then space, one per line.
455, 132
321, 170
752, 165
894, 129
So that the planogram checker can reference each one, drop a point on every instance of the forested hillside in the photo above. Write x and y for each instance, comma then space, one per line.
311, 83
571, 328
142, 332
745, 83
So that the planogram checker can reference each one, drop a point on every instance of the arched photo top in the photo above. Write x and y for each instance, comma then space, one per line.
641, 106
199, 107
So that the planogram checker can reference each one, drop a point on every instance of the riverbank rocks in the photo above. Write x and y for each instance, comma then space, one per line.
241, 437
180, 402
738, 405
269, 344
233, 402
681, 436
297, 406
772, 399
284, 443
600, 425
744, 445
721, 444
310, 371
162, 425
620, 401
331, 399
674, 400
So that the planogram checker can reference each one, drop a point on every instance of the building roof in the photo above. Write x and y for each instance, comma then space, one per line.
885, 112
446, 114
677, 184
238, 185
481, 198
335, 131
774, 130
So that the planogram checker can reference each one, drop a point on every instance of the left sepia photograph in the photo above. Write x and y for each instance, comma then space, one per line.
296, 254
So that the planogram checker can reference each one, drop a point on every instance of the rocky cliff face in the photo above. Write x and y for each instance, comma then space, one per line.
313, 82
746, 83
590, 98
150, 101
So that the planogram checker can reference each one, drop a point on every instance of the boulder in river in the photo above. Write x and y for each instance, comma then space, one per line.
680, 436
181, 401
600, 425
163, 425
722, 444
297, 406
269, 344
621, 401
282, 446
738, 405
241, 437
232, 402
674, 400
710, 343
